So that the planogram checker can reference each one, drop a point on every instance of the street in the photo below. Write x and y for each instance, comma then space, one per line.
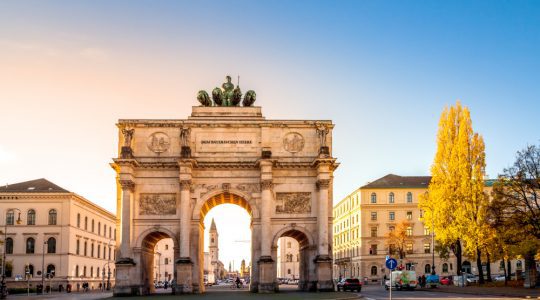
376, 292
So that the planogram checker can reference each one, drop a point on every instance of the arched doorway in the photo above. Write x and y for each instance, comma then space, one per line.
304, 257
466, 267
200, 215
148, 254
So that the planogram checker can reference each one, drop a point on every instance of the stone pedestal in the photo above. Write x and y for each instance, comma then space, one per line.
266, 275
324, 273
184, 270
126, 279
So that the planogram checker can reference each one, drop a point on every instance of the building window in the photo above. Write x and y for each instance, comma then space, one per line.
91, 272
409, 197
30, 245
98, 251
10, 217
92, 225
427, 248
104, 229
427, 269
373, 250
85, 248
373, 271
289, 245
30, 270
409, 248
79, 220
392, 216
373, 231
166, 247
76, 271
99, 228
110, 232
9, 246
52, 217
109, 253
409, 231
426, 231
289, 271
50, 270
519, 265
85, 223
84, 271
373, 215
78, 247
391, 228
391, 198
97, 272
445, 267
31, 217
409, 215
373, 198
51, 245
92, 250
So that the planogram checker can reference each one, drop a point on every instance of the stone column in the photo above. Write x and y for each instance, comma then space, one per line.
184, 264
322, 218
265, 262
125, 244
185, 217
323, 259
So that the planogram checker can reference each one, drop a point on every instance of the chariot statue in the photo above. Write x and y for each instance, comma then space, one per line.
227, 95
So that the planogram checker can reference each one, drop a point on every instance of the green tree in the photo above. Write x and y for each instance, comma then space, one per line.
455, 205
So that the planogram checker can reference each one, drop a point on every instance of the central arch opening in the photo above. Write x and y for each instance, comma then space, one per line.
157, 261
293, 260
227, 240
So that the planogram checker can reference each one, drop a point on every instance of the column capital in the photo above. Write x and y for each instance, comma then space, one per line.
127, 184
267, 184
185, 185
323, 184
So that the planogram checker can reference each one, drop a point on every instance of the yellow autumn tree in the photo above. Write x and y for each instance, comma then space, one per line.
455, 206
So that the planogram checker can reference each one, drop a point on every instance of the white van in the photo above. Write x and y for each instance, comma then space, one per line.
402, 280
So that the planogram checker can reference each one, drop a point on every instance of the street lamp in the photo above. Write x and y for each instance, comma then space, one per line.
108, 267
43, 267
3, 289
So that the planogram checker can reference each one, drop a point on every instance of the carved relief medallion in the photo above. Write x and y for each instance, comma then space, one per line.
293, 142
293, 203
157, 204
158, 142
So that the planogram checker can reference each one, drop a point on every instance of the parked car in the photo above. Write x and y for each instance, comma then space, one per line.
499, 278
349, 284
402, 280
446, 280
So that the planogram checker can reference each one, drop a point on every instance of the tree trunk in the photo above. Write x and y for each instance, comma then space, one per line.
479, 266
530, 271
457, 252
509, 270
488, 267
505, 272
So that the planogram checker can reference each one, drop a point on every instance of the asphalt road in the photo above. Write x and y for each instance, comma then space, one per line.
377, 292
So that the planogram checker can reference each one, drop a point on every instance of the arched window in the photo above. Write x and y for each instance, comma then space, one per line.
91, 272
99, 228
52, 217
445, 268
50, 270
391, 198
30, 270
98, 251
92, 225
76, 271
519, 265
9, 245
289, 271
78, 247
110, 232
79, 220
104, 229
84, 271
85, 223
30, 245
373, 271
85, 248
373, 198
109, 253
97, 272
51, 245
427, 269
409, 197
31, 217
10, 217
92, 250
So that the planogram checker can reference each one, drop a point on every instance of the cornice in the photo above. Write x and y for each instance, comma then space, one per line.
226, 165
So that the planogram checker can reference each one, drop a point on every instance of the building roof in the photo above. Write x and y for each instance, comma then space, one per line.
213, 226
396, 181
41, 185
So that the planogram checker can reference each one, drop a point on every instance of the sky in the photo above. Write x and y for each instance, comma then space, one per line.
382, 71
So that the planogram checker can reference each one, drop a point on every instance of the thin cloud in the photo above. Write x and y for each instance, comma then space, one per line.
94, 53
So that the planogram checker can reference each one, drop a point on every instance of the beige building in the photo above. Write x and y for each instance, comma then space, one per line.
46, 225
288, 258
164, 264
363, 219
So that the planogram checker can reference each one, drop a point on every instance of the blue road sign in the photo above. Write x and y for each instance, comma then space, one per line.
391, 263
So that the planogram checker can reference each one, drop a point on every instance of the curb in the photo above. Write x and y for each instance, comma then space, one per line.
480, 293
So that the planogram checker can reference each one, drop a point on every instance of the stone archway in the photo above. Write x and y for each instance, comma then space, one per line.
307, 252
170, 173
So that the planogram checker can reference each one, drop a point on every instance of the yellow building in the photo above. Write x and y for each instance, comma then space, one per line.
363, 219
51, 231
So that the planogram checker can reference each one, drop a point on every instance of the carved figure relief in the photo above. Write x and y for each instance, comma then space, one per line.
185, 133
128, 136
322, 131
157, 204
158, 142
293, 142
249, 187
293, 203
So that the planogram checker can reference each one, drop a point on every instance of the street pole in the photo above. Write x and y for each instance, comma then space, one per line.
108, 267
43, 267
3, 287
432, 248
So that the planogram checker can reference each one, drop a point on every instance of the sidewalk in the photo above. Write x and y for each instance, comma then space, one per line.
492, 291
65, 296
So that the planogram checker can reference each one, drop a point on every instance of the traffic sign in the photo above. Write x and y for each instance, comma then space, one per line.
391, 263
387, 257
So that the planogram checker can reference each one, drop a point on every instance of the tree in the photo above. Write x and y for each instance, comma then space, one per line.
516, 206
455, 205
398, 238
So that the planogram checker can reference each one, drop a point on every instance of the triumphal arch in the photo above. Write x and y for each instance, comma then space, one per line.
170, 173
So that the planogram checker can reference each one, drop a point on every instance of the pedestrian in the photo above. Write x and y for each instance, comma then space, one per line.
238, 282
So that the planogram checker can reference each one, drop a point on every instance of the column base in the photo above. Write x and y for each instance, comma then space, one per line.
184, 282
325, 283
125, 274
267, 283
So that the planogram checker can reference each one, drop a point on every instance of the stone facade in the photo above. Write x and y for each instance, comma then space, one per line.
279, 171
58, 229
288, 258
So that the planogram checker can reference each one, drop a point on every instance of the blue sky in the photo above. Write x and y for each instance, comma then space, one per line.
381, 70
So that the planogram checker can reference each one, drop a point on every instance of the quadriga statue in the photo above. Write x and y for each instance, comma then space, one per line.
203, 98
236, 96
249, 98
217, 96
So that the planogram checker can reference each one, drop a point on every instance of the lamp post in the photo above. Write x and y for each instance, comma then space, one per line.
43, 267
432, 247
3, 289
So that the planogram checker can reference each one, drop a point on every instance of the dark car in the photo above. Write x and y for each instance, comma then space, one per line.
349, 284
